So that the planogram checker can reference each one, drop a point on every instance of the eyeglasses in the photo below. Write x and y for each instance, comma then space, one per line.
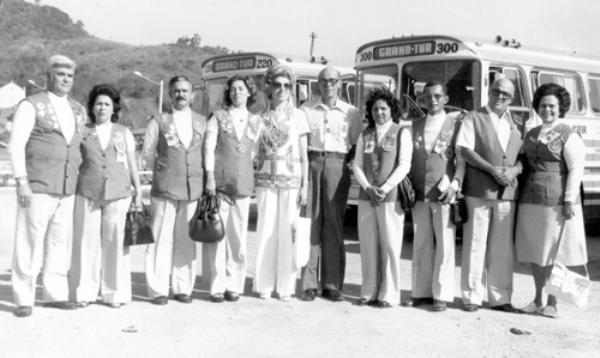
280, 85
501, 94
437, 96
328, 81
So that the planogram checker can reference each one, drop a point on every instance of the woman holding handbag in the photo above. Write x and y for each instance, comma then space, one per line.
231, 135
555, 156
106, 175
281, 185
382, 161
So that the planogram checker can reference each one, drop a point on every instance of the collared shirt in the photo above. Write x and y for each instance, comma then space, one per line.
466, 136
433, 125
104, 132
24, 121
333, 129
403, 163
185, 131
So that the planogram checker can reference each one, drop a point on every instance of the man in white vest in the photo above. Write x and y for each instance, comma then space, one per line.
490, 143
436, 175
173, 149
44, 149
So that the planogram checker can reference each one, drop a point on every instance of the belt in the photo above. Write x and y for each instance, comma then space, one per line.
329, 155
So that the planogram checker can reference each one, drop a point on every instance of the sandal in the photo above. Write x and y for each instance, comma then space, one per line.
550, 312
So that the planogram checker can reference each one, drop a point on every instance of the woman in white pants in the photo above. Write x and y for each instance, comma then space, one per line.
383, 156
106, 175
281, 181
231, 135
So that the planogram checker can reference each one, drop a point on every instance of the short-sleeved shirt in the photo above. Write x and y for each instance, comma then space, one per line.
333, 129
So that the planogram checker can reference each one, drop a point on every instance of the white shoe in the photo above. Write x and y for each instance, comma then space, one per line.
532, 308
549, 311
264, 295
285, 298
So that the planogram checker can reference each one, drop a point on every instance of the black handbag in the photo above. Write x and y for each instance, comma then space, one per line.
406, 194
206, 225
137, 227
458, 210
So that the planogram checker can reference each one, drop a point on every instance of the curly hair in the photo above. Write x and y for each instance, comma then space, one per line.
384, 95
106, 90
552, 89
248, 82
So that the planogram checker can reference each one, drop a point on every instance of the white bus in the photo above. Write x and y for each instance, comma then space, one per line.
216, 70
469, 66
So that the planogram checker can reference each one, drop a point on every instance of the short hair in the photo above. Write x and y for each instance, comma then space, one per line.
277, 71
436, 83
384, 95
558, 91
248, 82
56, 61
112, 93
178, 78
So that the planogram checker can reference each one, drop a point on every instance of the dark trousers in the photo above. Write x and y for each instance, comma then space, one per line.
327, 194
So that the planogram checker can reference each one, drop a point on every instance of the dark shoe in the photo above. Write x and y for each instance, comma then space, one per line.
373, 303
507, 307
470, 307
309, 295
361, 301
231, 296
383, 304
160, 300
61, 305
438, 306
332, 295
217, 298
23, 311
183, 298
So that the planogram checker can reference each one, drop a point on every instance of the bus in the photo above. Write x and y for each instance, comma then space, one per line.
469, 66
216, 70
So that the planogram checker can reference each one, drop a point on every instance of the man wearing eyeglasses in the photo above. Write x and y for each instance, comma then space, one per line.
335, 126
490, 143
436, 175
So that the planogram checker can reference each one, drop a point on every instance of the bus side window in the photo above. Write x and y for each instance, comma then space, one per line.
594, 95
517, 79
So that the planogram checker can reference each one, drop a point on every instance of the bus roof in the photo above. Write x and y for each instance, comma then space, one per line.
500, 51
224, 65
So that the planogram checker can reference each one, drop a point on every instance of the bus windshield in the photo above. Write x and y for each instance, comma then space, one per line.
458, 75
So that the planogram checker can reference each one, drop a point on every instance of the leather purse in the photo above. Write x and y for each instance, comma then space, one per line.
406, 194
138, 230
207, 225
458, 210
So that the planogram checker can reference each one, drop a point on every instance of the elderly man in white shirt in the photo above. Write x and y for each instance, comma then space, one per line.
173, 148
44, 148
490, 143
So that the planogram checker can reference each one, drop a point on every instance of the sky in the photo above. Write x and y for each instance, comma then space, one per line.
283, 26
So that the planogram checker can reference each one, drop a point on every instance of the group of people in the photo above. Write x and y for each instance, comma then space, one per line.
77, 177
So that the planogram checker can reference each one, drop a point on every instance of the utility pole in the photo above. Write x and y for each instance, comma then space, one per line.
313, 36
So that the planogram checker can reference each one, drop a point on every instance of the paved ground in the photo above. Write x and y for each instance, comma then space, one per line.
257, 328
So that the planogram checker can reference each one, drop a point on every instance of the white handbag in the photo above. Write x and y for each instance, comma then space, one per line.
301, 241
566, 284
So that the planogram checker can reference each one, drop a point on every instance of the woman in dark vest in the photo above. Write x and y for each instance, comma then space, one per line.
549, 197
106, 175
231, 135
383, 157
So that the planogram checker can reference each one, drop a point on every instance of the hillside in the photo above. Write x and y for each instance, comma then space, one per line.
30, 33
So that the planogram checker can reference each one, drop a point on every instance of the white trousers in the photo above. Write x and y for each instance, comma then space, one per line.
173, 252
277, 210
100, 260
227, 258
488, 251
433, 251
380, 231
43, 237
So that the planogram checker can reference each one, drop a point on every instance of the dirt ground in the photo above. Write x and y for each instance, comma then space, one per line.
271, 328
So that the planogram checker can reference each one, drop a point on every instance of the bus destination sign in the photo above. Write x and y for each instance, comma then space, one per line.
236, 64
404, 50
